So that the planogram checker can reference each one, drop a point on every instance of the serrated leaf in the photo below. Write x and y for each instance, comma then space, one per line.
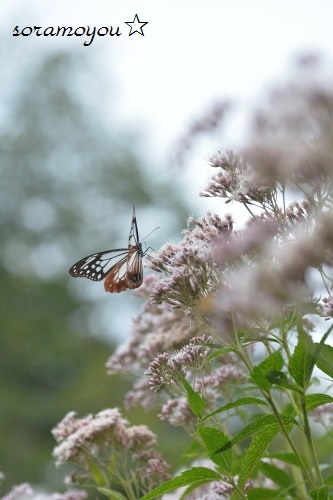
258, 374
323, 354
312, 401
195, 400
254, 453
200, 474
261, 423
259, 378
276, 377
273, 362
111, 494
235, 404
214, 439
302, 361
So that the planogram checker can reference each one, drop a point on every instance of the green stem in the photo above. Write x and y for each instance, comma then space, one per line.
289, 440
309, 439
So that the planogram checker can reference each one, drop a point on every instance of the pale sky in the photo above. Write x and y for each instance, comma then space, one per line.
192, 52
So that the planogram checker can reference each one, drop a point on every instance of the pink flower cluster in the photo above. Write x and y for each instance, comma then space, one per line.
25, 491
104, 439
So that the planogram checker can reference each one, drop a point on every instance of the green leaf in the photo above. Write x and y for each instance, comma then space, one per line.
312, 401
259, 372
96, 474
280, 379
263, 493
195, 474
329, 481
195, 400
302, 361
323, 354
326, 335
234, 404
320, 493
259, 378
214, 439
219, 352
111, 494
254, 453
268, 422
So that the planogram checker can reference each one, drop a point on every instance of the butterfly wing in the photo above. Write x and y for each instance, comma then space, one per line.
98, 265
133, 238
126, 273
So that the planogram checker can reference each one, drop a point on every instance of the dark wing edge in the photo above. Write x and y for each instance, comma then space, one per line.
133, 238
94, 266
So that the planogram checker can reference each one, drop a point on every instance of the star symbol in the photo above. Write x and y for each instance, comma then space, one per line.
136, 26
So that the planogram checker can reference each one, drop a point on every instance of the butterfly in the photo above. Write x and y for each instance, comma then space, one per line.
124, 274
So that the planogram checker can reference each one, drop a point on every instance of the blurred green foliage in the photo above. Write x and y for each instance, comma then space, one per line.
68, 183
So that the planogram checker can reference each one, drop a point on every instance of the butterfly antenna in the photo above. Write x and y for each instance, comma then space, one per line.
151, 232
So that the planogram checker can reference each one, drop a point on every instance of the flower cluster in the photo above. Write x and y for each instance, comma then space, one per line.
108, 441
222, 375
167, 369
266, 271
157, 329
77, 434
323, 414
140, 395
177, 412
188, 275
325, 307
25, 491
249, 286
292, 135
212, 491
235, 180
211, 380
213, 386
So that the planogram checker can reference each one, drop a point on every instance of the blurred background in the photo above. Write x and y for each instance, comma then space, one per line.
86, 133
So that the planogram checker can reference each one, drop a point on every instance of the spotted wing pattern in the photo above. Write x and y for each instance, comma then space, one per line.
119, 275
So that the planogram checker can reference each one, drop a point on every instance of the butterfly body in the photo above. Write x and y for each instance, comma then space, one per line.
123, 274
